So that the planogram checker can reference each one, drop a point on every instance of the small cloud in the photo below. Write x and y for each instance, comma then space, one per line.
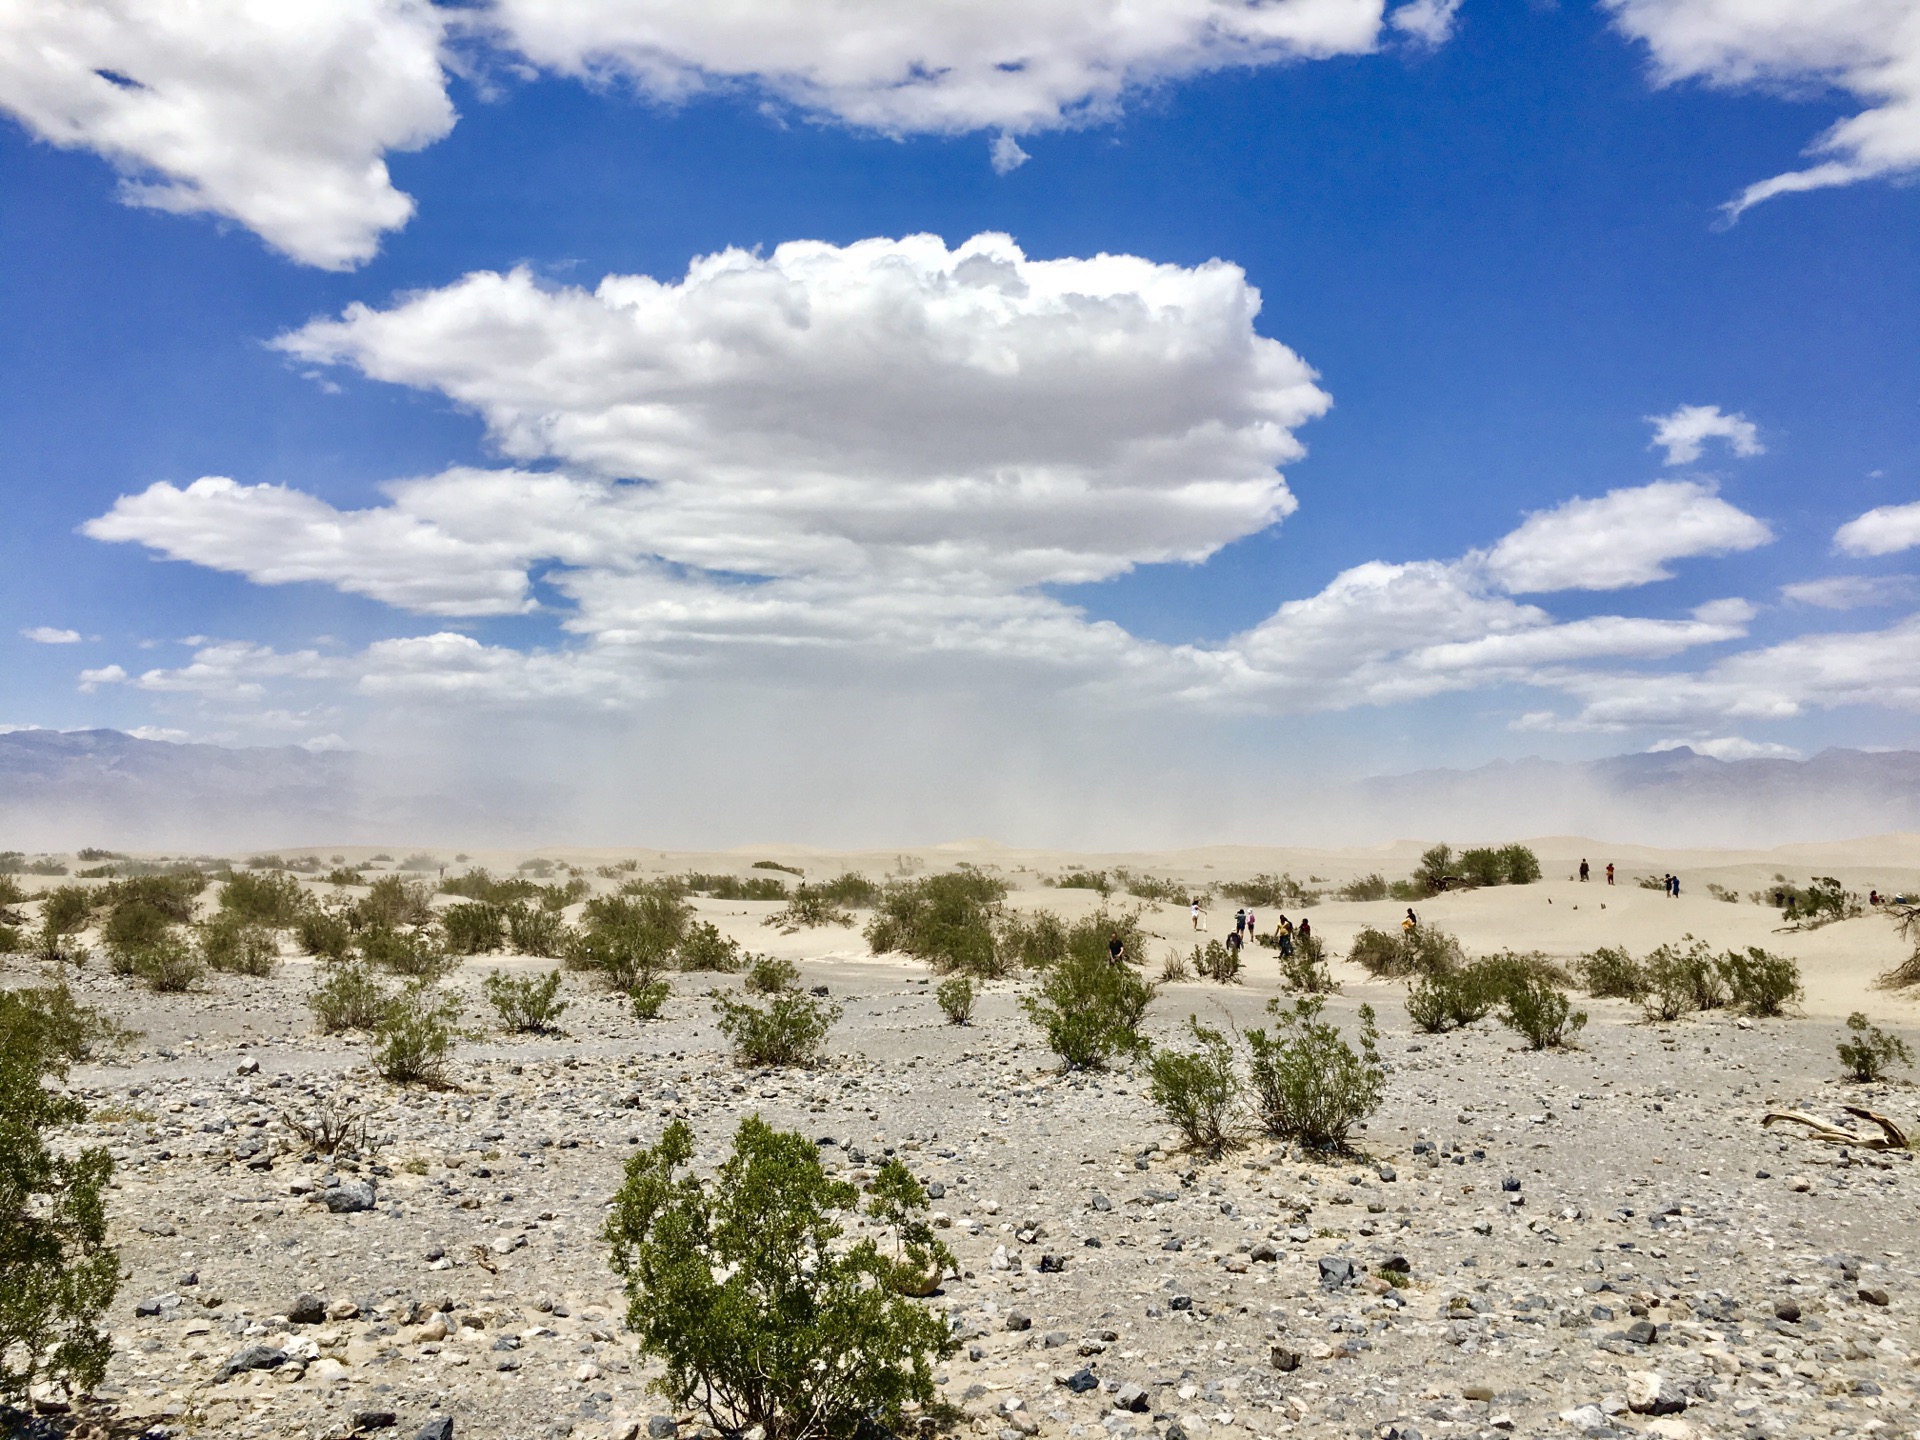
323, 744
1732, 611
1850, 592
1729, 747
1429, 22
160, 733
1684, 433
1007, 155
18, 729
47, 635
91, 680
1884, 530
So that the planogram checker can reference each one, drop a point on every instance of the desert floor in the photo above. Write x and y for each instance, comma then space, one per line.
1598, 1241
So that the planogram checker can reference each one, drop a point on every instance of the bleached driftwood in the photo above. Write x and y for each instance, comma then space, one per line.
1891, 1138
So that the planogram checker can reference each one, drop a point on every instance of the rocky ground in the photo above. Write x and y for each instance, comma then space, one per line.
1594, 1242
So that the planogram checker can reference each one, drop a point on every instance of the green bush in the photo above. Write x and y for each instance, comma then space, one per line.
1540, 1014
1305, 971
392, 902
1082, 880
1481, 866
1424, 950
955, 998
1510, 968
1450, 999
1310, 1085
1152, 887
415, 1037
168, 966
808, 908
1610, 973
526, 1003
65, 911
764, 1318
132, 928
648, 999
949, 921
1367, 887
474, 928
271, 898
789, 1031
1761, 983
1215, 961
851, 888
351, 997
325, 934
238, 947
540, 932
732, 887
1823, 901
1521, 865
479, 886
628, 939
1090, 1009
58, 1275
408, 953
768, 975
1198, 1089
1271, 891
776, 865
1033, 940
1435, 869
1872, 1052
703, 947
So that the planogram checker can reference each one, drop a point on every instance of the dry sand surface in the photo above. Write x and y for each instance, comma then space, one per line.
1596, 1241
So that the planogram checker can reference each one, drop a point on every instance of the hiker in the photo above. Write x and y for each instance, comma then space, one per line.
1233, 946
1306, 928
1609, 872
1253, 930
1240, 922
1116, 951
1873, 897
1583, 871
1285, 931
1411, 923
1673, 886
1195, 910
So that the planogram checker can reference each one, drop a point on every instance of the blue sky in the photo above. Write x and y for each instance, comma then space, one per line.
1490, 247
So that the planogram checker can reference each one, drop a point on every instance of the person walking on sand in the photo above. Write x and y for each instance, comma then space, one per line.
1233, 946
1411, 923
1673, 883
1116, 949
1240, 922
1609, 872
1583, 871
1194, 910
1284, 929
1306, 929
1253, 930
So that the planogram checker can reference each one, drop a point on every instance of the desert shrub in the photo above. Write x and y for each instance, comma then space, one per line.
703, 947
947, 920
391, 902
1610, 973
776, 865
1270, 891
1305, 971
851, 888
1519, 865
733, 887
341, 876
257, 862
955, 998
418, 861
413, 954
350, 998
1198, 1089
1434, 870
1082, 880
473, 928
808, 908
1173, 969
1872, 1051
478, 885
1823, 901
649, 998
65, 911
768, 975
171, 894
1367, 887
789, 1031
11, 891
1510, 968
1151, 887
526, 1003
238, 947
1759, 982
540, 932
1446, 1001
1679, 981
131, 927
271, 898
167, 966
1721, 892
1215, 961
325, 934
414, 1038
764, 1318
1481, 866
1424, 950
630, 937
1032, 940
1090, 1010
13, 940
1309, 1085
1540, 1014
58, 1275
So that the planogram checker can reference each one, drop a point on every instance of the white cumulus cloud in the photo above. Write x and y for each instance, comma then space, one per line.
932, 66
1884, 530
1430, 22
1868, 49
50, 635
271, 113
1850, 592
1625, 538
1683, 433
1729, 747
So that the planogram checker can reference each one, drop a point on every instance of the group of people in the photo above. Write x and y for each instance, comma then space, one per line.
1586, 873
1246, 926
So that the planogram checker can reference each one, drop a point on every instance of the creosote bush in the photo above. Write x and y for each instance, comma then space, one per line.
58, 1275
703, 947
1309, 1085
1198, 1089
769, 975
1610, 973
474, 928
1540, 1014
1759, 982
350, 998
955, 998
808, 908
1449, 1000
415, 1037
743, 1287
238, 947
1872, 1051
325, 934
949, 920
270, 898
168, 966
412, 954
1424, 950
1216, 961
1091, 1010
790, 1030
1305, 971
527, 1004
649, 999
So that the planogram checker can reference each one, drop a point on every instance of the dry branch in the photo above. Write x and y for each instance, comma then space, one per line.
1892, 1138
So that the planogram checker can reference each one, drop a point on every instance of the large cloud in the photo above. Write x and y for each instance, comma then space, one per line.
1625, 538
1884, 530
1868, 48
939, 65
271, 113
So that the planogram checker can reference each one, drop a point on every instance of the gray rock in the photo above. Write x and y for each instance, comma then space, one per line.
1335, 1271
307, 1309
348, 1199
438, 1428
1101, 1202
1019, 1320
1054, 1339
1081, 1381
374, 1419
252, 1357
1788, 1311
1265, 1251
1649, 1393
1130, 1396
1284, 1359
662, 1427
